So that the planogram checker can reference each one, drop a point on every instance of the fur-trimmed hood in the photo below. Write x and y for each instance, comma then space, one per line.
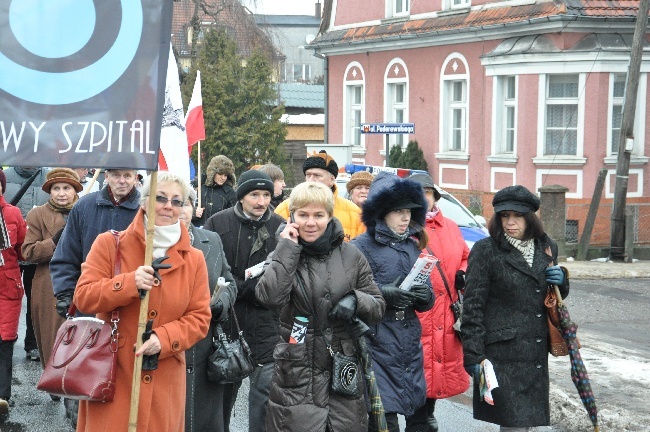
385, 190
220, 165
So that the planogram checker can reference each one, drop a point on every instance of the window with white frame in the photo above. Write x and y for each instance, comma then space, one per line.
617, 97
397, 109
456, 4
296, 72
355, 114
506, 115
400, 7
455, 111
562, 94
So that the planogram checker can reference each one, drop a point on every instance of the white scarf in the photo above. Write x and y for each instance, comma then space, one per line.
164, 237
526, 247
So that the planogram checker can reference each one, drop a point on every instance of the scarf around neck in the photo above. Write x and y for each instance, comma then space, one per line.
62, 209
164, 237
323, 244
526, 247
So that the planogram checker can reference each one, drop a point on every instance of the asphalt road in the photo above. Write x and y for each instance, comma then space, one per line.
613, 328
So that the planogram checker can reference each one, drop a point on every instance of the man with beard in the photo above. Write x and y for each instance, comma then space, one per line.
111, 208
248, 234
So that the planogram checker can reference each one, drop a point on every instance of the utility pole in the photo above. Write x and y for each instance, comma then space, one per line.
626, 138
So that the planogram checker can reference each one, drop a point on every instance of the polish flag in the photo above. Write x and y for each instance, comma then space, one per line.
195, 126
173, 156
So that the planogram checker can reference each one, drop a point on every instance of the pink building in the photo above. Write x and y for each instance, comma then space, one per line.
501, 92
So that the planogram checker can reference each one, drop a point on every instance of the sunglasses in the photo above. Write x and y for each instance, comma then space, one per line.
164, 200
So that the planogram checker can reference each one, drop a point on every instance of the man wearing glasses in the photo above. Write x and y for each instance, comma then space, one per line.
111, 208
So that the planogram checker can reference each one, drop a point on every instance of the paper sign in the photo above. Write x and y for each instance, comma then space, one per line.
419, 274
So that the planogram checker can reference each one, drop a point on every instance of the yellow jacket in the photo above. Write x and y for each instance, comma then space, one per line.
347, 212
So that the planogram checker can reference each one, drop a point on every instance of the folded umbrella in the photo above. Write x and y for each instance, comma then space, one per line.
358, 330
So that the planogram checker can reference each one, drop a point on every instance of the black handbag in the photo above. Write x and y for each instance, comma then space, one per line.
345, 369
230, 361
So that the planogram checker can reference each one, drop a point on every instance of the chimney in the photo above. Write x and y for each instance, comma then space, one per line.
318, 10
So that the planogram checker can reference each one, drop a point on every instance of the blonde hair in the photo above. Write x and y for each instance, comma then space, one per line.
165, 177
311, 193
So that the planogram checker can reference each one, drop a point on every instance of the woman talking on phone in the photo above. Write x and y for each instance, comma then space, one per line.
313, 274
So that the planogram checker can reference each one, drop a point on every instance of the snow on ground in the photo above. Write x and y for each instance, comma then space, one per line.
620, 380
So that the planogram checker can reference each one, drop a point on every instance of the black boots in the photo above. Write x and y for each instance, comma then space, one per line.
431, 419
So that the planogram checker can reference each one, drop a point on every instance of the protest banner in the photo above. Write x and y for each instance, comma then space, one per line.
83, 83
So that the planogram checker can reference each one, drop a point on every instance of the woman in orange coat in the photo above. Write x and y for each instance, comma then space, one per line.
179, 305
443, 351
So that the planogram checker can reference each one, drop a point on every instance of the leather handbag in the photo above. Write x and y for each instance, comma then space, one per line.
84, 357
230, 361
556, 344
456, 306
345, 375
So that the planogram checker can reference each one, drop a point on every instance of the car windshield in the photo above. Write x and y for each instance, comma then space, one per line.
454, 211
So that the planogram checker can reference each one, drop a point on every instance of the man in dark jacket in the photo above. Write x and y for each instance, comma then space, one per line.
248, 234
31, 197
113, 207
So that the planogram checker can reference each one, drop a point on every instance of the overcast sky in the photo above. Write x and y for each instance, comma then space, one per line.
281, 7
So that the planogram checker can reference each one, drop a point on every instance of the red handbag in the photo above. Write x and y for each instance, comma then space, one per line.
84, 357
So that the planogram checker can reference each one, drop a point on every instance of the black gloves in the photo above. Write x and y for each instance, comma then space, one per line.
216, 308
63, 302
158, 265
345, 308
57, 236
460, 280
149, 362
473, 371
396, 297
422, 294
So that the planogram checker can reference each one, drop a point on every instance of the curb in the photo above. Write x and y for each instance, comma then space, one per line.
607, 269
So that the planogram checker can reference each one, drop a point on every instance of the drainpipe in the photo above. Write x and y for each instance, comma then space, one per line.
325, 83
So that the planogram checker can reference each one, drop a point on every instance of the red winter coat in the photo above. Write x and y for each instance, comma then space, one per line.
443, 351
11, 286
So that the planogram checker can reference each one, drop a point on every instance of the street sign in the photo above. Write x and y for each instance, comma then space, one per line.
388, 128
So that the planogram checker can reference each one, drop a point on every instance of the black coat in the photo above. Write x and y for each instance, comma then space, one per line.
239, 235
504, 320
204, 399
213, 200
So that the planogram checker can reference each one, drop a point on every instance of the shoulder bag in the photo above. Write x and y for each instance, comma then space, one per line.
456, 306
84, 357
556, 344
345, 368
230, 361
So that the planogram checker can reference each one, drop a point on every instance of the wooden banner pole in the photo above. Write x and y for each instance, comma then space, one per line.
144, 308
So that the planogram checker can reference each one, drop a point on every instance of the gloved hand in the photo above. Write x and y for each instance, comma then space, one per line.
63, 302
345, 308
216, 309
460, 280
157, 265
554, 275
473, 370
396, 297
57, 236
422, 294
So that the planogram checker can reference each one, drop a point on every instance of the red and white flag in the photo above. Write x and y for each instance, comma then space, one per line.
173, 155
194, 124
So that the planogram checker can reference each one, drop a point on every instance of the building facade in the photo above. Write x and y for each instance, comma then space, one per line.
501, 92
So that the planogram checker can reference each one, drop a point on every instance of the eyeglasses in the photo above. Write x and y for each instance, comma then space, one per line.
164, 200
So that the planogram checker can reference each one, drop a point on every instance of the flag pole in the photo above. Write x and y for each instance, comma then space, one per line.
198, 182
93, 180
144, 308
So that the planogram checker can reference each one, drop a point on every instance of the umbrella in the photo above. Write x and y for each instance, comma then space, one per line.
358, 329
579, 374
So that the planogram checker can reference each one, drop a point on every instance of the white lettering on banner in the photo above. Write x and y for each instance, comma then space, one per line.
12, 135
102, 135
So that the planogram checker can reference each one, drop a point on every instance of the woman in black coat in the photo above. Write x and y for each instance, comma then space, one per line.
204, 406
504, 318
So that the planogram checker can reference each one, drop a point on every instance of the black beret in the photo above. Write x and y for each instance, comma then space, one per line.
515, 198
253, 180
323, 161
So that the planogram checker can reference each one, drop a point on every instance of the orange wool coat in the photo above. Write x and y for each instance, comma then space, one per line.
180, 308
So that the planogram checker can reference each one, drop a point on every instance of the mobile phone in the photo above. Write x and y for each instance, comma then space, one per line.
291, 218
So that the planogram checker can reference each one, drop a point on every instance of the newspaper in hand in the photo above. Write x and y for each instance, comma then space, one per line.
254, 271
419, 274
